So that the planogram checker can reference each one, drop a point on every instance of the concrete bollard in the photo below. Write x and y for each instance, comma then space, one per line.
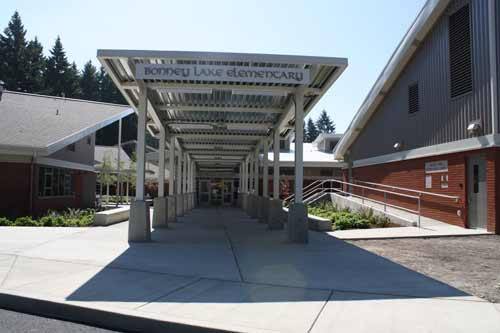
160, 212
277, 216
139, 228
179, 200
171, 209
298, 230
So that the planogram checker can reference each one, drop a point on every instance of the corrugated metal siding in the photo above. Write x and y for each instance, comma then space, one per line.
441, 119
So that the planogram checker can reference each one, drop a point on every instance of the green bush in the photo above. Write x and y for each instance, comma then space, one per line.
5, 222
346, 219
69, 218
25, 221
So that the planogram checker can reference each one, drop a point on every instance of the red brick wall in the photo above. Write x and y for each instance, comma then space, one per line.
411, 174
14, 189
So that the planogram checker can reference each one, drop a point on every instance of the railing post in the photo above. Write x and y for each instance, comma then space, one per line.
385, 201
419, 196
363, 195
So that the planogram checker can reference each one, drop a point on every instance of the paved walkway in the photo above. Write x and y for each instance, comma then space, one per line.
218, 268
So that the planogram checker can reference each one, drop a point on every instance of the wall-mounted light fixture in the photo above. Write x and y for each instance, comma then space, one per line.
474, 128
398, 146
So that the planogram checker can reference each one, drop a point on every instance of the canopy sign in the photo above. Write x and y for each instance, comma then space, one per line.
222, 73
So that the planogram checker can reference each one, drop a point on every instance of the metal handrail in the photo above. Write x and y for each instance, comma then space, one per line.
385, 192
304, 189
375, 208
453, 197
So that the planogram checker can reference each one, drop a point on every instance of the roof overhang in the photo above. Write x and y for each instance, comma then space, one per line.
220, 105
428, 16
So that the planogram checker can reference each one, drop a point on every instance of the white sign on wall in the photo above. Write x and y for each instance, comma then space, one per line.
222, 73
436, 166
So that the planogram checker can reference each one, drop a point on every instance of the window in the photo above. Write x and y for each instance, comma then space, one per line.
72, 147
413, 98
460, 52
282, 144
475, 178
53, 182
326, 172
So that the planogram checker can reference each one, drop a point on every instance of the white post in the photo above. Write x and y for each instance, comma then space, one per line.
186, 172
179, 172
161, 164
139, 227
118, 167
299, 148
240, 175
276, 165
141, 144
171, 168
256, 172
265, 171
251, 178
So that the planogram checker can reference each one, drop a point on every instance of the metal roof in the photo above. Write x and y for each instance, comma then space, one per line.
428, 16
219, 120
45, 124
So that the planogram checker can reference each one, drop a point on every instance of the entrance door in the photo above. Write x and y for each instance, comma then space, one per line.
216, 188
228, 192
476, 192
204, 193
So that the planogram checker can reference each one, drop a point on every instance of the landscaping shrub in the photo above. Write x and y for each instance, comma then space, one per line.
69, 218
25, 221
5, 222
345, 219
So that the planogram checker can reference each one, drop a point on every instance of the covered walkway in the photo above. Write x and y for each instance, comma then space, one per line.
217, 113
218, 268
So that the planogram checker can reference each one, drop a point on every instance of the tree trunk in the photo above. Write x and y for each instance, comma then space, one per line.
127, 193
107, 193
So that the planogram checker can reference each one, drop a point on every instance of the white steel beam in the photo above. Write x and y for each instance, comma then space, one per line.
187, 108
141, 144
227, 137
161, 164
171, 168
299, 145
276, 165
265, 170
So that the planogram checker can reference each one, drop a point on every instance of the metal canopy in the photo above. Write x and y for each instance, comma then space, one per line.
235, 103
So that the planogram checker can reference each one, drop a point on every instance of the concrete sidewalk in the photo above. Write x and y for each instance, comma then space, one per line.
219, 269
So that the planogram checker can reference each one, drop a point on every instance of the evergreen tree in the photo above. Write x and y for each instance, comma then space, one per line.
35, 66
89, 83
13, 68
107, 90
324, 124
305, 135
61, 78
312, 131
73, 78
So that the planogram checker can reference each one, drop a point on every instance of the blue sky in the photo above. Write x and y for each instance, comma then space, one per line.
364, 31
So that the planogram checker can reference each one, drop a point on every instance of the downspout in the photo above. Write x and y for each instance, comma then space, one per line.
493, 65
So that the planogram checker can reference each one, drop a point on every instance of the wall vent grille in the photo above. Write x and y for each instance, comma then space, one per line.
460, 52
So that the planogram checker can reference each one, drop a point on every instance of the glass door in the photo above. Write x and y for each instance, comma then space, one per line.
216, 189
228, 192
204, 193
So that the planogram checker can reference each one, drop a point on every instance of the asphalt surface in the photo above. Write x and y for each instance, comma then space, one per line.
15, 322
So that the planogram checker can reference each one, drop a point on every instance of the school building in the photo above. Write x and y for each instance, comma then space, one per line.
430, 122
